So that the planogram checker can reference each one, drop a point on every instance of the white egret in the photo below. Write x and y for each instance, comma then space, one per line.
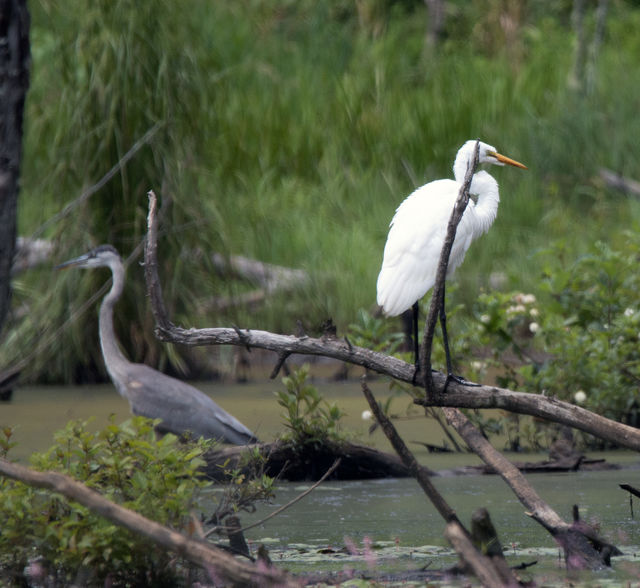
418, 230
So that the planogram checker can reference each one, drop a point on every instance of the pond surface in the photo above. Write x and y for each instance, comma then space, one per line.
393, 514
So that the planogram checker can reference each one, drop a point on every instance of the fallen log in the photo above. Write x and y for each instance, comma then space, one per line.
310, 462
618, 182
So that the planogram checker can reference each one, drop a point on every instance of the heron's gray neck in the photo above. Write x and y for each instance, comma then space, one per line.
113, 356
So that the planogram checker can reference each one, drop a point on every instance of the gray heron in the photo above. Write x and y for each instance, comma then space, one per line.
181, 407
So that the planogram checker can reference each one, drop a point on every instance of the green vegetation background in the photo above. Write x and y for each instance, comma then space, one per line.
289, 131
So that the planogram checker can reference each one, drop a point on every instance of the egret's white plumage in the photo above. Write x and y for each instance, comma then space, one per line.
419, 227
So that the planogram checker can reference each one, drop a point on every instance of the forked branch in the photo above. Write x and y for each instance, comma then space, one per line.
537, 405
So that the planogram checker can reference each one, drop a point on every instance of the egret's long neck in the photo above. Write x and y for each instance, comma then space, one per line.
463, 161
485, 187
113, 356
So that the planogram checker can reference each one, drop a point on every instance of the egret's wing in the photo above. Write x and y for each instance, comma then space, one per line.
413, 246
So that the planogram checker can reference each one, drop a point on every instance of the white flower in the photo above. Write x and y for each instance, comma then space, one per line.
629, 312
528, 298
485, 318
580, 397
534, 312
534, 327
367, 415
478, 365
518, 308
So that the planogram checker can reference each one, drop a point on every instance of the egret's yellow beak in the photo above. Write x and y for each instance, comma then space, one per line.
507, 160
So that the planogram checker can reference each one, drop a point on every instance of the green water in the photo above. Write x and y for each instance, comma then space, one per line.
407, 532
394, 514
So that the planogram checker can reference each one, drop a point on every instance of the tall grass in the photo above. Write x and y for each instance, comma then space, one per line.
290, 133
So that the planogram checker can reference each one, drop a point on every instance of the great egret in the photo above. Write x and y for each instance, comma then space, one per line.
419, 227
182, 408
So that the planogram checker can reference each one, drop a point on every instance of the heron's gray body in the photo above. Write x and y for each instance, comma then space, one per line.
181, 407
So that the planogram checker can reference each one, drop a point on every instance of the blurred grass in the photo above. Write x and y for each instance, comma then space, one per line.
290, 131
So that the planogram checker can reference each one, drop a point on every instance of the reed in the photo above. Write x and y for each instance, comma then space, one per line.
289, 133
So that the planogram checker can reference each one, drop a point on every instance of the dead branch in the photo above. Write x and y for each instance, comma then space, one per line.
455, 532
225, 566
618, 182
271, 277
579, 551
537, 405
437, 292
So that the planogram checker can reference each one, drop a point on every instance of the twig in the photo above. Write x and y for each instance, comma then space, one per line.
438, 287
282, 357
289, 504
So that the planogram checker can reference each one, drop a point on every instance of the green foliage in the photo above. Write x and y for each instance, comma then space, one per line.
576, 339
309, 418
592, 329
247, 484
375, 333
127, 464
289, 132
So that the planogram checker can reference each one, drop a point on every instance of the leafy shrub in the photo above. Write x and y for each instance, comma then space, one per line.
309, 418
127, 464
577, 341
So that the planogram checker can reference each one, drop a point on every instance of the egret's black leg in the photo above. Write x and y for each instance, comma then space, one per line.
416, 347
447, 353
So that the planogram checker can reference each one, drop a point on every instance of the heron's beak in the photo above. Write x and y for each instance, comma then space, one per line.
508, 161
73, 262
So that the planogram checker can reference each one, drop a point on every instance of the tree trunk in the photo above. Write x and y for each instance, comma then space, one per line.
14, 81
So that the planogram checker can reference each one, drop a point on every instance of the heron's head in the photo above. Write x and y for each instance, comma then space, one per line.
101, 256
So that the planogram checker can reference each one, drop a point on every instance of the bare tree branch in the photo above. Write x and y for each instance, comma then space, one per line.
579, 551
437, 292
458, 396
619, 182
225, 566
455, 532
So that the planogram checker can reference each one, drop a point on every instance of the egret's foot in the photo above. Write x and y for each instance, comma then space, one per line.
458, 380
